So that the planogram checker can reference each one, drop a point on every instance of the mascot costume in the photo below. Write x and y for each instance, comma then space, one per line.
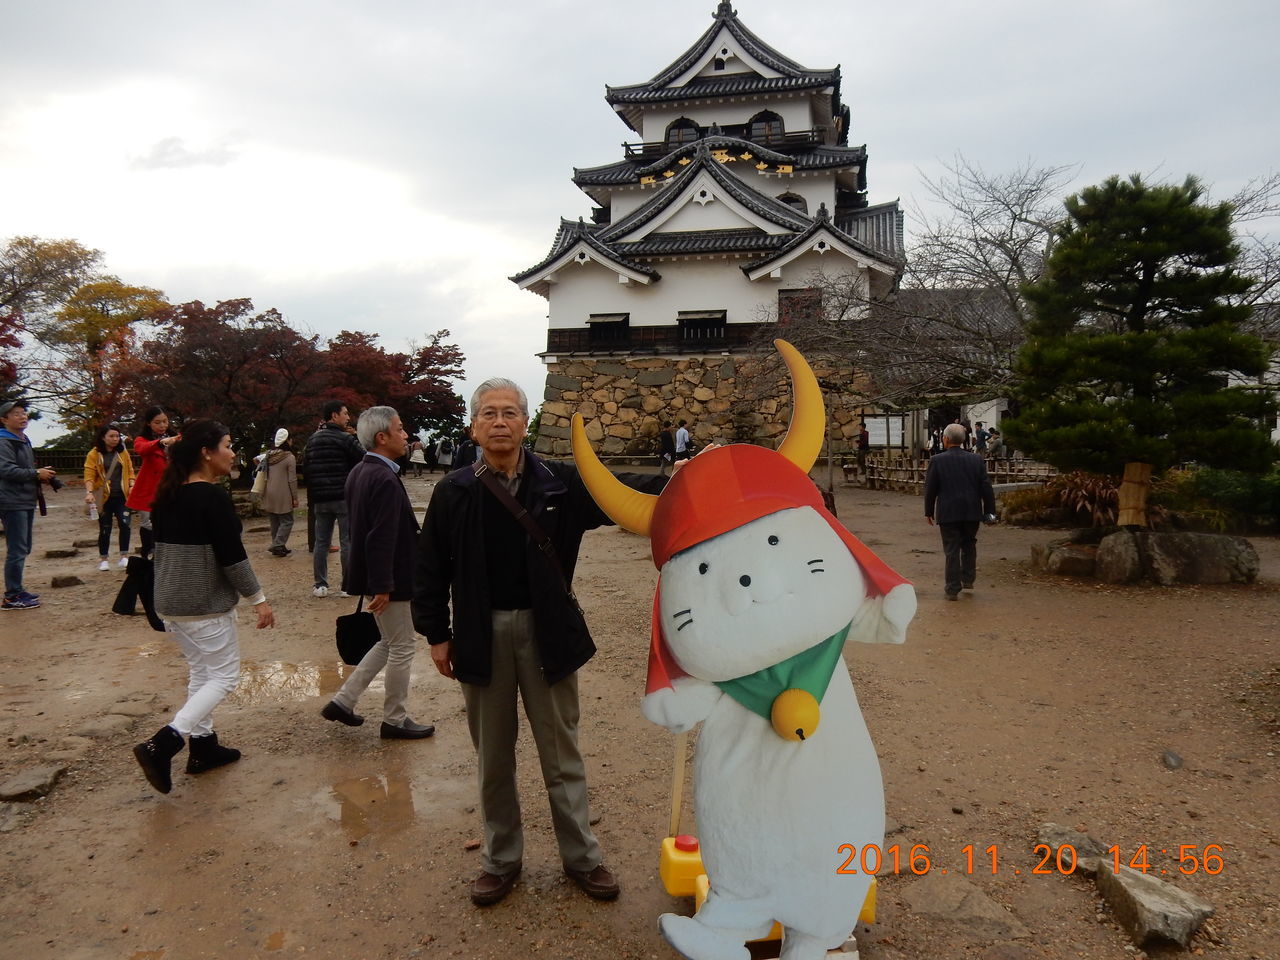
759, 589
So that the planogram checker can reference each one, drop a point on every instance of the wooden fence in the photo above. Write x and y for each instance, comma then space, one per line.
907, 474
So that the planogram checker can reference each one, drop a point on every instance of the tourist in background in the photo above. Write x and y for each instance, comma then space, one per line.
108, 479
152, 447
330, 454
202, 571
20, 481
281, 496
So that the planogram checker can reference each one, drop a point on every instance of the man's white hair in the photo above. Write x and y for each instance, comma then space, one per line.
498, 383
954, 432
372, 422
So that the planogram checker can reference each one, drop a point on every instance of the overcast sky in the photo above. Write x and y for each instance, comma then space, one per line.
384, 165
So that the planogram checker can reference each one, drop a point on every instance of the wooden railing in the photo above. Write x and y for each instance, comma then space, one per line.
907, 475
652, 340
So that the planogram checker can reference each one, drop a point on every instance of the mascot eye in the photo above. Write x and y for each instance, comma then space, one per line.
703, 568
773, 541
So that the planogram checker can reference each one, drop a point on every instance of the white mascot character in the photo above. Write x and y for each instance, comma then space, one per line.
759, 589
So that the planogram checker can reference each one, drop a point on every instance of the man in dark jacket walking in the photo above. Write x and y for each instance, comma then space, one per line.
957, 497
514, 627
330, 454
383, 532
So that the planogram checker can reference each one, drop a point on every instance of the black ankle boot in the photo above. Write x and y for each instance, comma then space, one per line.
155, 756
206, 754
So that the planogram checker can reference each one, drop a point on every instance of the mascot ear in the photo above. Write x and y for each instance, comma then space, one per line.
662, 666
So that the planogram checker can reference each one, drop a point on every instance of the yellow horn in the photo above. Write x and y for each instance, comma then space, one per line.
803, 441
629, 509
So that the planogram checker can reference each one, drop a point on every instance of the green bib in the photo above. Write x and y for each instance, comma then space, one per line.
810, 670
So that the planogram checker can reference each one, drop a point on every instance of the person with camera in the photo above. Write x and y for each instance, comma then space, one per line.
20, 481
152, 447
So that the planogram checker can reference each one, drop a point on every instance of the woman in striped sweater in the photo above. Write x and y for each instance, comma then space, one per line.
202, 571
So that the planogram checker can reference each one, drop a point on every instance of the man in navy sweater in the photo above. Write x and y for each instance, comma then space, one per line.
383, 539
957, 497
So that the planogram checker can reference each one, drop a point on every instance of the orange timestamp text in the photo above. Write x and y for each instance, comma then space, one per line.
920, 859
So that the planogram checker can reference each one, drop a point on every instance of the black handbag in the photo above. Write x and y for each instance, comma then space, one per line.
357, 633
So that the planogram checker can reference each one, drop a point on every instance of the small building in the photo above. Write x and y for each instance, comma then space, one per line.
702, 243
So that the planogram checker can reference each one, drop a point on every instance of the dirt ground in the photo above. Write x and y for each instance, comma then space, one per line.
1034, 699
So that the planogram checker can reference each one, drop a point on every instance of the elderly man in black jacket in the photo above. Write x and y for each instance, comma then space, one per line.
958, 496
383, 531
330, 454
514, 627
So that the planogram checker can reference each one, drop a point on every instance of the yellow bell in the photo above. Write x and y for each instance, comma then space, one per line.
795, 714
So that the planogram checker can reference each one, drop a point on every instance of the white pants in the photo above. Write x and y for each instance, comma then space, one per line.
212, 649
395, 652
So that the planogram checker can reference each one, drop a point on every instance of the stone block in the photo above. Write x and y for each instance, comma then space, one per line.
728, 370
609, 407
577, 369
961, 903
1149, 908
718, 406
655, 378
652, 403
601, 396
703, 394
621, 430
610, 369
62, 553
87, 544
1118, 559
710, 378
595, 431
633, 402
65, 580
558, 408
556, 432
560, 382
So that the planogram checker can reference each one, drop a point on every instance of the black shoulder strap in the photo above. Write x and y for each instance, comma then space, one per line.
525, 519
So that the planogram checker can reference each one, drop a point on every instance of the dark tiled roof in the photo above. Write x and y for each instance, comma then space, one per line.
732, 86
725, 15
821, 222
629, 171
703, 241
763, 206
734, 145
567, 236
624, 171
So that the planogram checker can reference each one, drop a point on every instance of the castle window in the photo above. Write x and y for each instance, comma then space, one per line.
766, 126
682, 131
702, 325
608, 328
799, 306
717, 63
795, 201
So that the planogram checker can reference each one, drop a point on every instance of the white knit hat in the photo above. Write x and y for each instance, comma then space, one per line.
281, 436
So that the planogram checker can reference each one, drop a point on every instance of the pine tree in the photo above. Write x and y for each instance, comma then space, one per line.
1136, 353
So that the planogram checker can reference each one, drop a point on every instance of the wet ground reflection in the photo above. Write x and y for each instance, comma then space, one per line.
385, 803
276, 680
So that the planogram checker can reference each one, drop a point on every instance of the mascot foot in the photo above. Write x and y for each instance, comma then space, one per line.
802, 946
698, 941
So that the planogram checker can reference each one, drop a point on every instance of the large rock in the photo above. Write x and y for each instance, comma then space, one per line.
1072, 559
956, 899
1149, 908
32, 783
1198, 558
1119, 559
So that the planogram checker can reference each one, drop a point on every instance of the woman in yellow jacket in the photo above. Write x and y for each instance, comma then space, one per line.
108, 478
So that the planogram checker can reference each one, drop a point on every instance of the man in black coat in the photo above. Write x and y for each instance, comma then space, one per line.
957, 497
514, 628
383, 534
330, 454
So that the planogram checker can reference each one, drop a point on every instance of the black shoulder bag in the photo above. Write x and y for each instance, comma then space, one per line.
517, 510
357, 633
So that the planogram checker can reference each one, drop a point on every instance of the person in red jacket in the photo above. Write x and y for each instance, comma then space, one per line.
152, 447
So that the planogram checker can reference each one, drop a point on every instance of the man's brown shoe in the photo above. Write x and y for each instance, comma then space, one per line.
489, 888
598, 883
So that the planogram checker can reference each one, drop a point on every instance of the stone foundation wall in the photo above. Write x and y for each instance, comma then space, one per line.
625, 401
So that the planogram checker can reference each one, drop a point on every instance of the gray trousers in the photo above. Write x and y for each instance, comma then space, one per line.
553, 719
327, 514
281, 527
395, 652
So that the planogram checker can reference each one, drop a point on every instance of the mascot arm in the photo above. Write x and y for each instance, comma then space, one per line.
884, 619
683, 705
